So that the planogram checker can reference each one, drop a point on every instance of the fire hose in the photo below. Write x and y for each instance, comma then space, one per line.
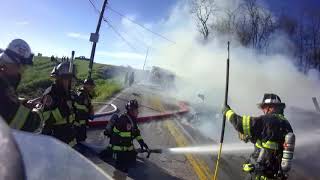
149, 151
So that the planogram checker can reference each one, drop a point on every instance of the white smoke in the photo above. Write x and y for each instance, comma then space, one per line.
202, 67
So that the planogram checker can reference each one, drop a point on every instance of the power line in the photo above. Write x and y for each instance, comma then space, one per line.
135, 38
94, 6
96, 9
118, 33
144, 43
111, 26
120, 14
96, 1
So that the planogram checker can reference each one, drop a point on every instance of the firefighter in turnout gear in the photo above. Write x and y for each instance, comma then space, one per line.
58, 107
84, 108
125, 130
268, 132
18, 113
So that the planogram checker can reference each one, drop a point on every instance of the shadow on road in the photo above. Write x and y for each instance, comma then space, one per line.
145, 169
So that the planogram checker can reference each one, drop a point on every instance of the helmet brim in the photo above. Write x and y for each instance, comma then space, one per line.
62, 76
279, 105
19, 59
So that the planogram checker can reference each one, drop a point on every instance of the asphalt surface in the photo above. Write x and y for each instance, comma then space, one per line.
176, 131
158, 166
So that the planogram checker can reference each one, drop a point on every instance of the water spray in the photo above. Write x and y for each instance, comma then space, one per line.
235, 148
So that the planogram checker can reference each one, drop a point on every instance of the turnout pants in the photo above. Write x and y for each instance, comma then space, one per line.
124, 160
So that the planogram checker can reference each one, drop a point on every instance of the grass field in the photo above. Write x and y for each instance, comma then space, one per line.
37, 78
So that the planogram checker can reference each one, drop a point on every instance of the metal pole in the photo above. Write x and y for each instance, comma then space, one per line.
145, 60
71, 62
71, 71
95, 37
224, 117
316, 104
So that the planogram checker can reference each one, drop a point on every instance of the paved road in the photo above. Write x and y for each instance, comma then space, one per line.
172, 132
164, 166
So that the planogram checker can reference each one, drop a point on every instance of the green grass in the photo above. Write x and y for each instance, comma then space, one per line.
106, 88
82, 70
37, 78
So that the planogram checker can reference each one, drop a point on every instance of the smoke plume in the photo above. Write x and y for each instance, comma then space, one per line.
201, 68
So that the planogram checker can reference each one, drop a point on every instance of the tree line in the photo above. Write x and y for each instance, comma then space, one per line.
254, 26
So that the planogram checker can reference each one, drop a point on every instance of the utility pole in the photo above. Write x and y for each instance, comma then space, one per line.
145, 60
94, 38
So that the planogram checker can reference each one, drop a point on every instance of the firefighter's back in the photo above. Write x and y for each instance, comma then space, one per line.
274, 129
58, 107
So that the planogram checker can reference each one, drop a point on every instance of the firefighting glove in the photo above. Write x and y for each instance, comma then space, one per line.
243, 137
143, 145
248, 167
225, 109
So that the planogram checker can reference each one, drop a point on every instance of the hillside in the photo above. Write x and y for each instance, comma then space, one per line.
37, 78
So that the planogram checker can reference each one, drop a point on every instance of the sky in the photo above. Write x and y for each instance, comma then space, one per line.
56, 27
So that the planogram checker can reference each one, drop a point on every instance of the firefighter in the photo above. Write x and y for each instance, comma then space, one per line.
131, 79
18, 113
125, 130
268, 133
58, 107
84, 108
126, 77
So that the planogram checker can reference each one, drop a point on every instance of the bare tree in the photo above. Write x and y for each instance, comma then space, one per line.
305, 34
203, 11
287, 24
314, 31
226, 22
254, 25
250, 23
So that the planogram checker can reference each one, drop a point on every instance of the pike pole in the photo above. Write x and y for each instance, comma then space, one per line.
71, 71
224, 117
94, 37
71, 62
